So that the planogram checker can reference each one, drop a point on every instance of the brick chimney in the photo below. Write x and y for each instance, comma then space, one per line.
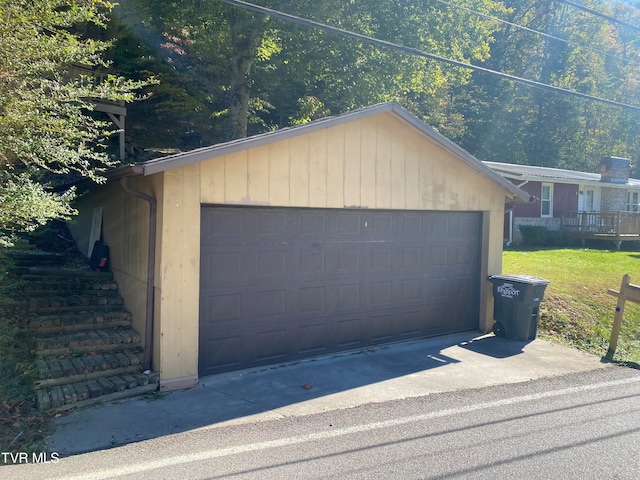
615, 170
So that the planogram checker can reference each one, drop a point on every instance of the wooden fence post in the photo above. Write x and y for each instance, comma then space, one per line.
629, 292
617, 319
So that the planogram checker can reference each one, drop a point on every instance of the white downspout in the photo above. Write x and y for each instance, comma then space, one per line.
510, 227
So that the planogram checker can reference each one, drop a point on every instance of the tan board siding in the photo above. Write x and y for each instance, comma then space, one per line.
177, 305
374, 163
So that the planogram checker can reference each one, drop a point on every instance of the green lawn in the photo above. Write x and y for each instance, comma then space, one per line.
577, 310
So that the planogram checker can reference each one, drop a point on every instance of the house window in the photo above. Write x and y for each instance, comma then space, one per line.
546, 200
632, 201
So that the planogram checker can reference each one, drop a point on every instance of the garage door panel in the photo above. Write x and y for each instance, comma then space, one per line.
380, 259
221, 354
271, 302
348, 297
383, 328
349, 224
409, 226
270, 345
411, 258
226, 224
313, 261
312, 299
223, 266
412, 323
461, 227
312, 338
381, 225
436, 288
434, 226
411, 290
272, 264
381, 293
434, 256
463, 254
281, 284
312, 224
270, 223
222, 308
347, 259
438, 320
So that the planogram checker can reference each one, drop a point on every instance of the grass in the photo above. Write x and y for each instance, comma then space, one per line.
577, 310
22, 427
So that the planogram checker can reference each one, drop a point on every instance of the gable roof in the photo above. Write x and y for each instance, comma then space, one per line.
206, 153
554, 175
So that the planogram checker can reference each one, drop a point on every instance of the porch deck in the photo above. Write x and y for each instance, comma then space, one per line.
614, 226
116, 111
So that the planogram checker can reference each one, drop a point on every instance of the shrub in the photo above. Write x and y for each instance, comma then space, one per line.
534, 235
538, 236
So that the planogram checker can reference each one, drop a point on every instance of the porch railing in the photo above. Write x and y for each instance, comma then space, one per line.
603, 223
87, 74
116, 110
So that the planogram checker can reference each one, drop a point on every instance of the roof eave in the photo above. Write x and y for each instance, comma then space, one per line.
195, 156
234, 146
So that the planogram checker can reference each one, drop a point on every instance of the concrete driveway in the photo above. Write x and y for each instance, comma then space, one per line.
379, 374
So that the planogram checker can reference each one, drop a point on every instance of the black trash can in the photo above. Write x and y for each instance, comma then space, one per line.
516, 305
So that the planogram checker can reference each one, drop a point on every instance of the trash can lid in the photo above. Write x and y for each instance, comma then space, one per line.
529, 279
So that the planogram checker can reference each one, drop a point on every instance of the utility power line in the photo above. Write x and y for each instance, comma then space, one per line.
600, 14
414, 51
537, 32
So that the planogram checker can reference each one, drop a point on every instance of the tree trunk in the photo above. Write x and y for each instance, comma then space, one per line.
246, 34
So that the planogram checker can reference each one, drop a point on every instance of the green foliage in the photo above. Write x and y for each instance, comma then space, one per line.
22, 427
294, 73
218, 68
516, 124
539, 236
47, 124
25, 205
310, 108
533, 235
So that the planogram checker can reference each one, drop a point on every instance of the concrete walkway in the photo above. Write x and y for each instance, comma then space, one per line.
390, 372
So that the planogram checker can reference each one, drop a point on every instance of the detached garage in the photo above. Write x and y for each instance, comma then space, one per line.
355, 230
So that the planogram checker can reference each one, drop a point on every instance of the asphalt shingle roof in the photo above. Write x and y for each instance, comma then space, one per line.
529, 172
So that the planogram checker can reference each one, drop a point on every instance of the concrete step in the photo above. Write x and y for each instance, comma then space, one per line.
23, 244
86, 341
72, 302
96, 319
58, 371
63, 274
85, 347
33, 257
91, 391
56, 287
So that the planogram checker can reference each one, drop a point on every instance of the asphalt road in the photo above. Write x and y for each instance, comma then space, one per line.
581, 426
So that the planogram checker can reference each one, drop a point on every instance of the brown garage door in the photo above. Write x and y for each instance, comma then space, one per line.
284, 283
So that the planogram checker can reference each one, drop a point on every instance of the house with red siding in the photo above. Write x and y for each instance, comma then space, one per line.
601, 205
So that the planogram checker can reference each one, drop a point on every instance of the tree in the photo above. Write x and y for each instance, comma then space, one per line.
339, 74
47, 124
580, 52
275, 73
